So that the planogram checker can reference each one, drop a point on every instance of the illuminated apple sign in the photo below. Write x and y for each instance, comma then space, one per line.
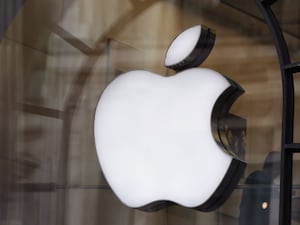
157, 137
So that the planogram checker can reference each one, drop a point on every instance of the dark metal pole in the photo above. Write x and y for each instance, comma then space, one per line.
287, 145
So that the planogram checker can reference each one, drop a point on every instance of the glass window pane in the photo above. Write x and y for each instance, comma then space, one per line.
57, 57
297, 107
296, 190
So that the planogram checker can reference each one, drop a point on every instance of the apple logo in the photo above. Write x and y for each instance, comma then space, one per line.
157, 138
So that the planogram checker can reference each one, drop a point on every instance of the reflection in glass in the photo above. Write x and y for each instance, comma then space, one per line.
56, 56
258, 195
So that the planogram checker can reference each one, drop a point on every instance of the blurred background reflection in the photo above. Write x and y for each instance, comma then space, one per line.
56, 56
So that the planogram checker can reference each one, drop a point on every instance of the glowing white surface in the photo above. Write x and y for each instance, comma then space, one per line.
153, 137
183, 45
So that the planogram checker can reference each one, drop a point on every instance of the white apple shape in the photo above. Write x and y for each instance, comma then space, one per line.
155, 141
158, 138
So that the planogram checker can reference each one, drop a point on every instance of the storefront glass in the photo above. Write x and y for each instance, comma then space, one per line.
56, 58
